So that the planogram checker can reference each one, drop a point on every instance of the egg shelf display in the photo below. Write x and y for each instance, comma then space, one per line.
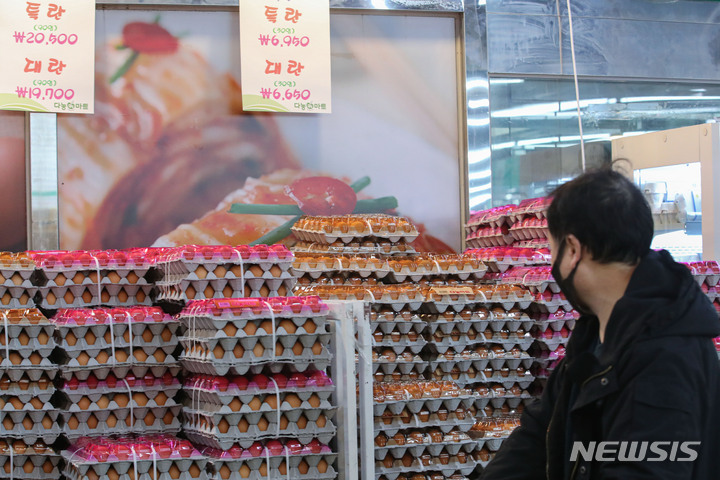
28, 461
152, 457
203, 272
16, 280
509, 224
349, 228
235, 336
270, 460
489, 433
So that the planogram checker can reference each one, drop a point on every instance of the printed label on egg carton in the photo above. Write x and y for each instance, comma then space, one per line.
143, 421
427, 464
391, 424
30, 466
119, 369
143, 468
415, 405
234, 400
466, 444
198, 427
237, 469
31, 426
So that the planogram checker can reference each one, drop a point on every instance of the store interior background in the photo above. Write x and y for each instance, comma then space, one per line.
643, 65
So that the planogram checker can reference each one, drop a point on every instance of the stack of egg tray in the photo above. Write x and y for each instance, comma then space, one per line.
223, 413
311, 461
26, 383
202, 272
151, 457
119, 368
17, 288
420, 426
28, 461
130, 405
234, 336
75, 279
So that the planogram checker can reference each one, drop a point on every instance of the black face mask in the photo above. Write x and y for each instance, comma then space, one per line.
566, 285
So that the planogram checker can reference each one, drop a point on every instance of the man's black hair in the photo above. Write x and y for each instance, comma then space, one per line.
607, 213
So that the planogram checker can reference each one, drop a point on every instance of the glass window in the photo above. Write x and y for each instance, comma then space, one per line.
13, 234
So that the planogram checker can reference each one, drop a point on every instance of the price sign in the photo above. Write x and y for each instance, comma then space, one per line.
47, 55
285, 55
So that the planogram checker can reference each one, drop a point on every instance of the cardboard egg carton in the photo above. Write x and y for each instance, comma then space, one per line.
220, 356
254, 331
500, 259
407, 361
448, 466
487, 236
316, 265
420, 443
31, 426
92, 388
118, 369
396, 297
705, 272
212, 256
84, 296
529, 228
29, 461
16, 406
119, 402
254, 406
236, 288
33, 366
399, 343
401, 326
391, 424
217, 313
18, 297
121, 421
157, 457
25, 389
95, 338
355, 248
416, 267
494, 217
415, 405
347, 228
224, 431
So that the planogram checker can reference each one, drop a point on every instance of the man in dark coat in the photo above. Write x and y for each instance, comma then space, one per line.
638, 393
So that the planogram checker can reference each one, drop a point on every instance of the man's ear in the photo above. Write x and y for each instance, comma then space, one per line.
574, 249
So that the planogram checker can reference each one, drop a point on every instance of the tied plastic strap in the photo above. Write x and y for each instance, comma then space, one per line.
130, 402
277, 405
267, 459
287, 463
371, 294
130, 335
12, 459
99, 286
154, 454
274, 335
7, 341
132, 448
242, 272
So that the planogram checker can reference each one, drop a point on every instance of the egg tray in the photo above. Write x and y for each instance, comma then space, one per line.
417, 450
17, 299
467, 272
119, 330
446, 303
397, 424
70, 360
551, 305
200, 365
234, 472
139, 426
555, 325
236, 328
404, 367
462, 365
120, 370
127, 296
431, 404
552, 343
125, 470
36, 432
343, 265
336, 236
400, 326
27, 390
254, 308
25, 405
453, 466
26, 367
106, 403
32, 346
238, 286
75, 390
219, 402
463, 379
32, 330
209, 436
491, 443
254, 462
233, 412
285, 330
401, 345
461, 326
30, 466
339, 248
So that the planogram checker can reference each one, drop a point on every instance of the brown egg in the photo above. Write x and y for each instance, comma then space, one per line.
250, 329
48, 467
103, 402
169, 418
121, 355
235, 404
282, 468
140, 354
92, 422
321, 421
230, 330
255, 270
388, 461
314, 401
84, 403
209, 292
122, 296
161, 399
24, 338
111, 421
174, 471
243, 425
113, 276
298, 349
263, 424
264, 291
245, 471
309, 326
87, 296
70, 339
288, 326
220, 271
190, 292
303, 467
102, 357
267, 326
225, 472
255, 404
218, 351
302, 422
279, 349
317, 348
284, 422
47, 422
15, 358
201, 272
238, 351
194, 471
9, 424
121, 399
91, 475
322, 466
36, 403
43, 338
28, 466
140, 399
223, 426
258, 350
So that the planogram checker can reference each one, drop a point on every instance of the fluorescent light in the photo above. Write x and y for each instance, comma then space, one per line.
480, 199
538, 141
481, 175
505, 81
478, 122
501, 146
584, 103
476, 83
678, 98
479, 155
481, 188
576, 138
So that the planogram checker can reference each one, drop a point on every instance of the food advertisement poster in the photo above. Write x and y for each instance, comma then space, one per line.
47, 54
285, 55
170, 154
13, 234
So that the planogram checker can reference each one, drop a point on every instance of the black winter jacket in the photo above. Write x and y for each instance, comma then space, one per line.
657, 378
